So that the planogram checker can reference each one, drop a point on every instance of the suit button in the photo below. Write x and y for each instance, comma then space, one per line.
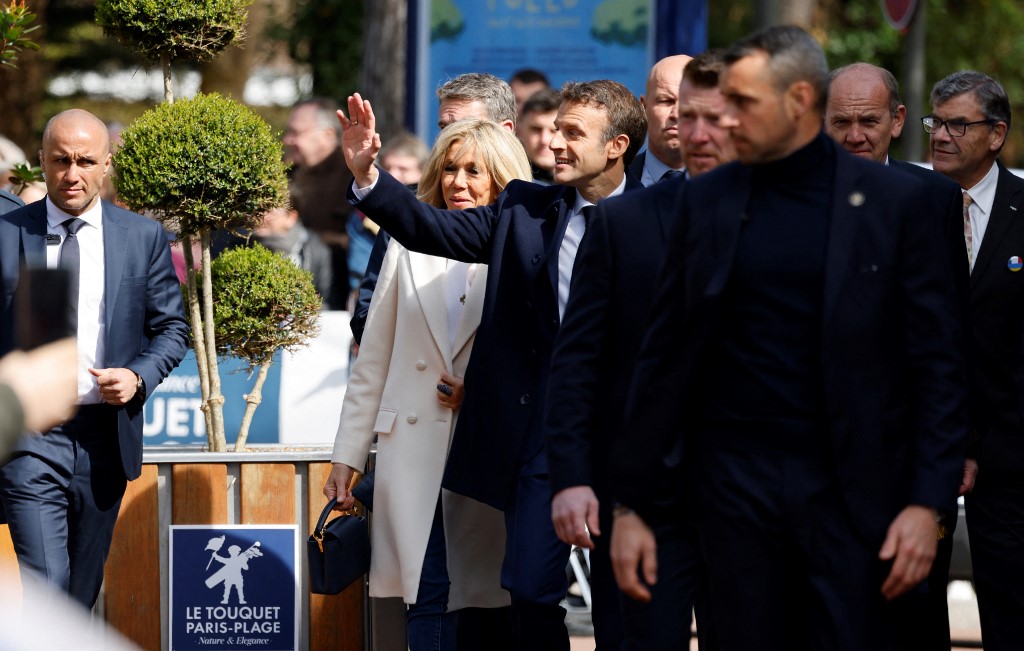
524, 399
421, 365
536, 259
411, 419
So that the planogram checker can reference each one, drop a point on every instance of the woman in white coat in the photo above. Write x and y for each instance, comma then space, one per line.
439, 551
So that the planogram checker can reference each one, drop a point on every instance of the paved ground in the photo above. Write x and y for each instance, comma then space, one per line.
963, 620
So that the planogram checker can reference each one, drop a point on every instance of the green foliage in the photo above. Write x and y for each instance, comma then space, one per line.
190, 30
264, 302
446, 21
201, 164
22, 174
14, 25
327, 36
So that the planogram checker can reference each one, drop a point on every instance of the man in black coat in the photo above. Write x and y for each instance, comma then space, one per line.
968, 124
864, 114
529, 239
802, 359
614, 278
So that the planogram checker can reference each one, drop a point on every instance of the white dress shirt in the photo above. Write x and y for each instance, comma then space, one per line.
983, 195
574, 231
92, 325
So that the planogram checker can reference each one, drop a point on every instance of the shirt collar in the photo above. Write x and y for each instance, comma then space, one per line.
983, 194
654, 168
582, 203
55, 216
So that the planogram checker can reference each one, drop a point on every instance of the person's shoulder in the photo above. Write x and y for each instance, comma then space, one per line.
132, 220
530, 195
9, 202
929, 177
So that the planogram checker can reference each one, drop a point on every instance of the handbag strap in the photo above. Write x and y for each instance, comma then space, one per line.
321, 524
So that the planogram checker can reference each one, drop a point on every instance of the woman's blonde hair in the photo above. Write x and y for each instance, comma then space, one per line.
499, 150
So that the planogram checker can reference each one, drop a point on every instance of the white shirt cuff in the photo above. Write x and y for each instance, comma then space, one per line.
360, 193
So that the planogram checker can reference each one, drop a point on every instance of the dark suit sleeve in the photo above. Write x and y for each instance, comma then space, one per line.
647, 454
576, 360
165, 329
457, 234
367, 285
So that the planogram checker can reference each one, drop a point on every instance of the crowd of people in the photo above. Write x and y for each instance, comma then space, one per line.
750, 368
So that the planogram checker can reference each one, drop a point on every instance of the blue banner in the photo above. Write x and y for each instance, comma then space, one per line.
233, 587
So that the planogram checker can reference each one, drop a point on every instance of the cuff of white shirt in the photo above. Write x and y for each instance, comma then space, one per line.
360, 193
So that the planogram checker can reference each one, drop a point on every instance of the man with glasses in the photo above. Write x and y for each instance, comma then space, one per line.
968, 125
864, 114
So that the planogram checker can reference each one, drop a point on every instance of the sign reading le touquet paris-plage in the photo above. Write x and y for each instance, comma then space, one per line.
233, 587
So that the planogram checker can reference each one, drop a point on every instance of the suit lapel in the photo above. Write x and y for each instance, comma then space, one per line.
557, 217
1006, 207
115, 252
428, 276
846, 200
33, 236
473, 311
729, 212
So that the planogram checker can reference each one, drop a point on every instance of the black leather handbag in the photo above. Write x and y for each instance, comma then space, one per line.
338, 552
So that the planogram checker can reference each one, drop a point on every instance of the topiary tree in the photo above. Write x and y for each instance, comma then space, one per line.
265, 302
174, 30
199, 165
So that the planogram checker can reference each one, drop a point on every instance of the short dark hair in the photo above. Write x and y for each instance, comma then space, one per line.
892, 87
326, 112
545, 100
529, 76
625, 113
990, 93
704, 69
793, 55
493, 93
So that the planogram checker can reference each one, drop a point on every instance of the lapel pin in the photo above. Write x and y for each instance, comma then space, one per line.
1014, 263
856, 199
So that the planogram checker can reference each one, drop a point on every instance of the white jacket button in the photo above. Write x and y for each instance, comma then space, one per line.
411, 419
421, 365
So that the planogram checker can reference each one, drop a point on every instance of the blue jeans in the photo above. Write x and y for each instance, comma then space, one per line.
430, 627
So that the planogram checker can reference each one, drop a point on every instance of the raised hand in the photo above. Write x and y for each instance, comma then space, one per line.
360, 141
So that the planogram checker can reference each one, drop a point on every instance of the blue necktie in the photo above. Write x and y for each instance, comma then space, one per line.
668, 175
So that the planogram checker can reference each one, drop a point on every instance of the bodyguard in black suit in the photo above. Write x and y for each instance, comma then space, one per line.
664, 153
802, 359
968, 124
863, 115
616, 270
528, 238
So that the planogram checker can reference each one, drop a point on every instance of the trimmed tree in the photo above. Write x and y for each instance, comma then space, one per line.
265, 303
174, 30
199, 165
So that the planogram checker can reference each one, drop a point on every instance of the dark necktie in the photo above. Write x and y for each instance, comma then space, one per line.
669, 174
587, 212
70, 260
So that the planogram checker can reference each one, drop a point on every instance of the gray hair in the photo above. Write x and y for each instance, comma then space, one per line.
990, 94
793, 55
493, 93
326, 113
892, 87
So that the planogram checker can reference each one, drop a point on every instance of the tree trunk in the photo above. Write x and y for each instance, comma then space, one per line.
383, 74
165, 67
22, 89
216, 399
785, 12
198, 341
253, 400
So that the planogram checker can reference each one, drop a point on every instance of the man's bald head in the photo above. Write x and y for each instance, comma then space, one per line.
75, 159
660, 102
863, 112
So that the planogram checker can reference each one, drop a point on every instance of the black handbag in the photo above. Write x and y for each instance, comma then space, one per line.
338, 552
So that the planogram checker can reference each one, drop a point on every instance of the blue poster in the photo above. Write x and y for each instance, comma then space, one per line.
233, 587
173, 416
569, 40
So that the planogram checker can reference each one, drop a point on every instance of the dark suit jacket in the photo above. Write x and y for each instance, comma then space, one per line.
997, 337
518, 237
592, 364
635, 171
891, 369
146, 330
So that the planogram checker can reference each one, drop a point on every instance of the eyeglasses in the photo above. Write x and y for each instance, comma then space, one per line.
955, 128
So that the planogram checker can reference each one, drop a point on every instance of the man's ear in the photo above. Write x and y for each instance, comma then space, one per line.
799, 99
617, 146
998, 137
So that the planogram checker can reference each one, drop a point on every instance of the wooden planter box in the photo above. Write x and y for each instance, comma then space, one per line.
183, 486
